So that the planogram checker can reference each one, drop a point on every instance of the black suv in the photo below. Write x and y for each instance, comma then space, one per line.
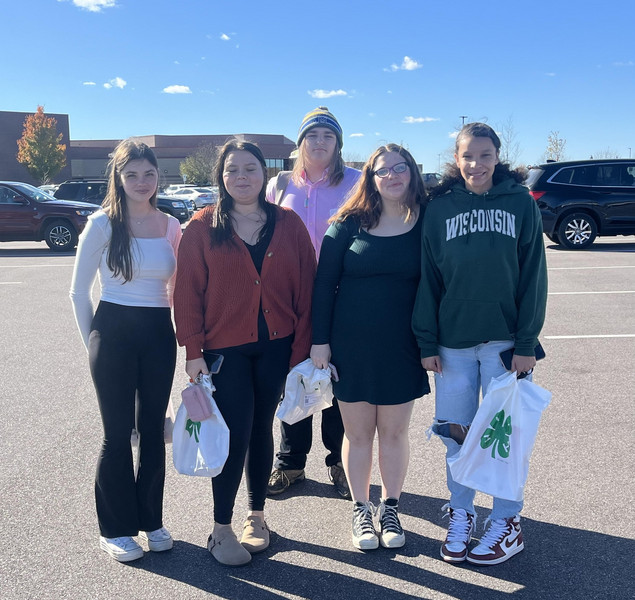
94, 191
582, 199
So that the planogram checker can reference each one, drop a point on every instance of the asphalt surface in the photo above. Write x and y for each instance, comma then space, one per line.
577, 523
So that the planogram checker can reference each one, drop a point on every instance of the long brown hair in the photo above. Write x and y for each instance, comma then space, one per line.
336, 166
364, 201
119, 257
221, 228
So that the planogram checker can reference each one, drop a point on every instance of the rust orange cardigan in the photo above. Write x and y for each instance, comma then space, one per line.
218, 290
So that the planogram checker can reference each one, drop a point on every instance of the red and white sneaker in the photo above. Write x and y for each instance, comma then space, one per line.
501, 541
460, 531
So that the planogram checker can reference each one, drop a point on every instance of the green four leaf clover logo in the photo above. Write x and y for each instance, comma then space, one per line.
193, 428
498, 435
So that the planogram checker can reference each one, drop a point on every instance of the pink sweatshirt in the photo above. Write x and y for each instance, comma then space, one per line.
315, 203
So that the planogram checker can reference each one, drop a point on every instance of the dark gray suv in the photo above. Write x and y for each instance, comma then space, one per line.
582, 199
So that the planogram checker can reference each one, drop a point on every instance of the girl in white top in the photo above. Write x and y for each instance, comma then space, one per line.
131, 346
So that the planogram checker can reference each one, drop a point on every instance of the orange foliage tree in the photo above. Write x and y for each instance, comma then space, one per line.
40, 148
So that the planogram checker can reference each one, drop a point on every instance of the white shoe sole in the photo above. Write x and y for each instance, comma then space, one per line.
497, 561
397, 541
131, 555
161, 546
366, 544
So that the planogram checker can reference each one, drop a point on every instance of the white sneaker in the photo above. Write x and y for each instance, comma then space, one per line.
502, 540
158, 540
460, 531
123, 549
364, 533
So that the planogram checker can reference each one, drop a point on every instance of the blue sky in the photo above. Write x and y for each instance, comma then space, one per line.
400, 72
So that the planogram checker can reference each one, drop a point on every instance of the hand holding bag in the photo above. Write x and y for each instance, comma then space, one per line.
494, 457
307, 390
200, 448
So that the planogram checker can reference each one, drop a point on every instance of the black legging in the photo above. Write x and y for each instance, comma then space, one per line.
248, 389
132, 353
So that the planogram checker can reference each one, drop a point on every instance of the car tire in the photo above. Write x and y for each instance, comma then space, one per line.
577, 231
60, 236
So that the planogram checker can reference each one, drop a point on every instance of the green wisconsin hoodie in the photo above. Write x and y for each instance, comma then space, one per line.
483, 270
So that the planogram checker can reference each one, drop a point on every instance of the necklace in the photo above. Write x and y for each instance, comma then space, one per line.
142, 221
255, 217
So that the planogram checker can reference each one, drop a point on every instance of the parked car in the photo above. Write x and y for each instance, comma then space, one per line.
173, 206
49, 188
83, 190
202, 196
29, 214
582, 199
430, 180
94, 191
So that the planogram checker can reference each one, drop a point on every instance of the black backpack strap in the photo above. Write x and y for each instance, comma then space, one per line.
282, 181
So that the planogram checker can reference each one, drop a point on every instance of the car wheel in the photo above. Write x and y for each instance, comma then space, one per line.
60, 236
577, 231
553, 237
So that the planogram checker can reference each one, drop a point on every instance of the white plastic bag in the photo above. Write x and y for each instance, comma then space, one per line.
494, 458
307, 390
200, 448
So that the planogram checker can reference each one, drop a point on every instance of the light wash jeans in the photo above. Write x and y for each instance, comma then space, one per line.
465, 371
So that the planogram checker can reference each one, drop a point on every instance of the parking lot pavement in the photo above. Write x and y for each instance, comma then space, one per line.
577, 523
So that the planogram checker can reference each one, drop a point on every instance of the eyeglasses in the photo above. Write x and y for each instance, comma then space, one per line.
401, 167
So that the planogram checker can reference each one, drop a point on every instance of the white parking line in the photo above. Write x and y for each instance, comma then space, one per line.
587, 268
10, 282
606, 292
577, 337
31, 266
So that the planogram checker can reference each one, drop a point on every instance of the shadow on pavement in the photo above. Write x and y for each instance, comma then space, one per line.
559, 563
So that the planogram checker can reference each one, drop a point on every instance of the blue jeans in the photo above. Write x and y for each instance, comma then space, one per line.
465, 372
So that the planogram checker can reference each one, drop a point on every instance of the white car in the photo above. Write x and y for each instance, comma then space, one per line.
200, 195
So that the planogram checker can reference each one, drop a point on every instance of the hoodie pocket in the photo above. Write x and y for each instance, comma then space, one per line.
470, 322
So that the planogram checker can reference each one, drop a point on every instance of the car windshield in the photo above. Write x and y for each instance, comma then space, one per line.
34, 193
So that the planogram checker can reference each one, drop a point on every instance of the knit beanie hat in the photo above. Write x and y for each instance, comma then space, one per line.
319, 117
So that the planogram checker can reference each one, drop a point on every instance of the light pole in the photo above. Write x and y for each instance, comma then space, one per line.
463, 117
629, 151
439, 164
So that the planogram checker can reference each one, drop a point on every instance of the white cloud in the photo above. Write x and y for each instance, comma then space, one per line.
176, 62
326, 93
224, 37
89, 83
177, 89
453, 134
408, 64
356, 135
93, 5
550, 74
629, 63
117, 82
418, 119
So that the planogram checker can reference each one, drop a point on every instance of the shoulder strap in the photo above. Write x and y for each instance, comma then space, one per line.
282, 181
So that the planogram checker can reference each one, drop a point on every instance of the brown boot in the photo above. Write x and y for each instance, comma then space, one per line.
255, 536
226, 549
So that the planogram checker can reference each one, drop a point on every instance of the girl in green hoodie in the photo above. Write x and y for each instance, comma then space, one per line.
483, 290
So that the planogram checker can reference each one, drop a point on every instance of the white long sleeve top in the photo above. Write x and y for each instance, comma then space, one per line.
154, 264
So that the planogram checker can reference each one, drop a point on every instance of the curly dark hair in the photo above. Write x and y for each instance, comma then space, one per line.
452, 174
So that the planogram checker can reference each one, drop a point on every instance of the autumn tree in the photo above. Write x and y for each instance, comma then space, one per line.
198, 167
40, 148
555, 147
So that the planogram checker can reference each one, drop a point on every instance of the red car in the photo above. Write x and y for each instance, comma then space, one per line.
30, 214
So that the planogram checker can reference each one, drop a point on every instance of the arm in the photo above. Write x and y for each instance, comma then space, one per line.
425, 315
329, 272
174, 237
92, 244
302, 299
531, 295
189, 291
